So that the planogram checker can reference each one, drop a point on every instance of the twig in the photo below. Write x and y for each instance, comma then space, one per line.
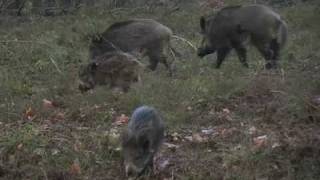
173, 55
55, 64
186, 41
280, 92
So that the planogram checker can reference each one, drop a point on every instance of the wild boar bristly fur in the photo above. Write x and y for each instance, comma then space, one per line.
232, 27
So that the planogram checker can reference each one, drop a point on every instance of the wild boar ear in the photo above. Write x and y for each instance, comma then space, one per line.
203, 23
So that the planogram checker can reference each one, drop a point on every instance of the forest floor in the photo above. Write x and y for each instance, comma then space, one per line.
233, 123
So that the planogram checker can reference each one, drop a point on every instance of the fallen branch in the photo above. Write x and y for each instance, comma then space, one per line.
55, 65
186, 41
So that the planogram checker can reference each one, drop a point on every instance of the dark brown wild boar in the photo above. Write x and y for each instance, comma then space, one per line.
232, 27
144, 36
116, 69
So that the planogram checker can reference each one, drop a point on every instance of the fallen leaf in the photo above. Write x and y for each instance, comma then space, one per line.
60, 116
75, 168
226, 110
227, 132
96, 106
252, 130
29, 114
224, 132
77, 146
171, 146
47, 104
207, 131
123, 119
55, 151
19, 147
175, 136
275, 145
260, 141
189, 138
198, 138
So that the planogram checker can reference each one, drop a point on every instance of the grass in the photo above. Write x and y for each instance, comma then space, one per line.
40, 60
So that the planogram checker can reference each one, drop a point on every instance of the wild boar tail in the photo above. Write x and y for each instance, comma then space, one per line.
283, 33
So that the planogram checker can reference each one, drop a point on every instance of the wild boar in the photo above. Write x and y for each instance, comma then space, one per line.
141, 140
144, 36
232, 27
116, 69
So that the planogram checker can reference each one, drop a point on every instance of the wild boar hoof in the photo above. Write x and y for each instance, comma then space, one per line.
268, 66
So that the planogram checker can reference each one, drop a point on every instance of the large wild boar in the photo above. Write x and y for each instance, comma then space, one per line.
141, 141
232, 27
116, 69
145, 36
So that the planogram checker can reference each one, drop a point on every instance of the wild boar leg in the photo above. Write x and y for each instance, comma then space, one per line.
163, 60
222, 53
242, 55
275, 47
267, 53
154, 60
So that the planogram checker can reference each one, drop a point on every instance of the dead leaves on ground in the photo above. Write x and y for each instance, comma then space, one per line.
75, 168
121, 120
206, 135
260, 142
29, 114
51, 107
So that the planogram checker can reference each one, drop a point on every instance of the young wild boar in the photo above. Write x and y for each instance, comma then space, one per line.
233, 26
144, 36
116, 69
141, 140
